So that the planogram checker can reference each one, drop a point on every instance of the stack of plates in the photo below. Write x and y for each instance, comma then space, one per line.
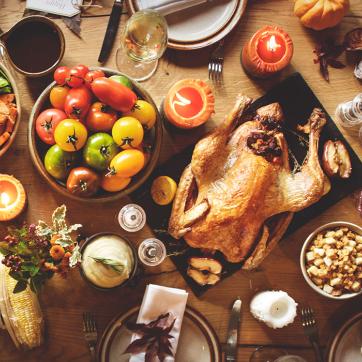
201, 25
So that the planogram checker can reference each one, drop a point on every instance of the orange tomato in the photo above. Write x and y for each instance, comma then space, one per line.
114, 183
57, 96
127, 163
100, 117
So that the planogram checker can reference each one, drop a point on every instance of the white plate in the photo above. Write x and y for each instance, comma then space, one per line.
346, 346
200, 22
198, 341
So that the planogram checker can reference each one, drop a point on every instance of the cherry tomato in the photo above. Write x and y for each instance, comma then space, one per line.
75, 78
114, 183
100, 117
127, 163
82, 69
77, 102
144, 112
127, 132
46, 123
114, 94
57, 96
61, 74
70, 135
83, 182
91, 75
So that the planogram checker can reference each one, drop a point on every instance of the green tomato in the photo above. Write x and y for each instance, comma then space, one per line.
58, 163
99, 151
122, 79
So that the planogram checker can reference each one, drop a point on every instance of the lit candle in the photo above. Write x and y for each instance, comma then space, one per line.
189, 103
12, 197
268, 51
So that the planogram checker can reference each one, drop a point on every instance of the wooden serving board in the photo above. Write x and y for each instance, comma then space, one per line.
297, 101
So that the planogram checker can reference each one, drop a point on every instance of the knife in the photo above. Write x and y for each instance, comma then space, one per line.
233, 328
111, 31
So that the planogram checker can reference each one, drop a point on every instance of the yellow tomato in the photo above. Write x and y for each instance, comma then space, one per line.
127, 132
163, 190
70, 135
114, 183
144, 112
127, 163
57, 96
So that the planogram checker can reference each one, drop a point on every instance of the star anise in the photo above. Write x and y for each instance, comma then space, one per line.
155, 338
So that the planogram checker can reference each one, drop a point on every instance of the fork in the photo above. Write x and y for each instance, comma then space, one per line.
216, 62
310, 329
90, 333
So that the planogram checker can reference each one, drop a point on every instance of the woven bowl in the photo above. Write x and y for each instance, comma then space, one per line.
38, 149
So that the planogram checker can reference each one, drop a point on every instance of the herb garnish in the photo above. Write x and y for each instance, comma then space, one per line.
110, 263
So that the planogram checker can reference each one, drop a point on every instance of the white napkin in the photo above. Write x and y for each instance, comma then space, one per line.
160, 300
166, 7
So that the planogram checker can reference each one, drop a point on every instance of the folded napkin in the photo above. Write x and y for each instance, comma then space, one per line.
166, 7
161, 300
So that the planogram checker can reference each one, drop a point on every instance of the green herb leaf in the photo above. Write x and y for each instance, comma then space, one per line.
76, 257
20, 286
58, 218
110, 263
4, 251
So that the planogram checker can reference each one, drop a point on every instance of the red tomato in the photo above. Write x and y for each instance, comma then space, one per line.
114, 94
46, 123
100, 117
91, 75
61, 74
75, 78
77, 102
82, 69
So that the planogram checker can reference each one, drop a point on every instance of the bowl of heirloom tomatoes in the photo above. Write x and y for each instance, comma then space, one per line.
94, 134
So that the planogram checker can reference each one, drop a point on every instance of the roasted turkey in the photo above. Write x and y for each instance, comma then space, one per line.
239, 179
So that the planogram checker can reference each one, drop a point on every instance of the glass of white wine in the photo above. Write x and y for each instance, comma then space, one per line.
143, 42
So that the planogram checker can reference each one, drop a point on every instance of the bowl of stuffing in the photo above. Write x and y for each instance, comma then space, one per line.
9, 109
331, 260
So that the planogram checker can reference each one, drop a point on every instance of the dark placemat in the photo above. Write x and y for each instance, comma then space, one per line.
297, 101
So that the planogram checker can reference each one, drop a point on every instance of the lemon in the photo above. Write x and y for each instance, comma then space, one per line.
163, 190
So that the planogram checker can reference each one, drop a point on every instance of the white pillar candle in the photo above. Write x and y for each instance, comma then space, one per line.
275, 308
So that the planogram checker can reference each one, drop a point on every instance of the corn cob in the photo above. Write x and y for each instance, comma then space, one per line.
21, 313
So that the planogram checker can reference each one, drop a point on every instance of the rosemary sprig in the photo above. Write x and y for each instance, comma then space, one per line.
110, 263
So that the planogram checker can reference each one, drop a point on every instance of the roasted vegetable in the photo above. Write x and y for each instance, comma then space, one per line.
206, 264
202, 278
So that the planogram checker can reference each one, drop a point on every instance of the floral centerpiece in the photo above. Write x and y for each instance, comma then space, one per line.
34, 253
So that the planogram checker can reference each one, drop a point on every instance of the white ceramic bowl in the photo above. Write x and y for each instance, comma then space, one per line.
332, 225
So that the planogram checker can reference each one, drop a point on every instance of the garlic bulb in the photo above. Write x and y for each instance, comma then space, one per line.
275, 308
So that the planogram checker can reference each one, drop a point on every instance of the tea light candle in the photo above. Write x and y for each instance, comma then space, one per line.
268, 51
12, 197
189, 103
275, 308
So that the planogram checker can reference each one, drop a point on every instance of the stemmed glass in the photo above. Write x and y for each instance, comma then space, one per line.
143, 42
266, 354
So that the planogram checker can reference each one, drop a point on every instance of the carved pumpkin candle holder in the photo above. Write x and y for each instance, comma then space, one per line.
189, 103
268, 51
12, 197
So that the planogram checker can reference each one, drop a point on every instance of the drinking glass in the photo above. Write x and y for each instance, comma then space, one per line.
266, 354
349, 114
143, 42
152, 252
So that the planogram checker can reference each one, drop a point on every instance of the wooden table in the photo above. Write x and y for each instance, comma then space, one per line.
63, 301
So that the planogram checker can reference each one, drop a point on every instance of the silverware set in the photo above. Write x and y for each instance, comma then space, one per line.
216, 63
90, 333
311, 331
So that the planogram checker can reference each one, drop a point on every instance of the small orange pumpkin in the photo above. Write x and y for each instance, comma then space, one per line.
189, 103
320, 14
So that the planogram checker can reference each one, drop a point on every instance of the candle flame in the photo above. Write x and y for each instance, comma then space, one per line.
272, 44
5, 199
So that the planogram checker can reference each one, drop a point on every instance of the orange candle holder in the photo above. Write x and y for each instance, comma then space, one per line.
268, 51
189, 103
12, 197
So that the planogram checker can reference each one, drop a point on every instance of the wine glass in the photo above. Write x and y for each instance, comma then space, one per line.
143, 42
270, 354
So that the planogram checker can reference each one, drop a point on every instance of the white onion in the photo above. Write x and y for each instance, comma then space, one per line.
275, 308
